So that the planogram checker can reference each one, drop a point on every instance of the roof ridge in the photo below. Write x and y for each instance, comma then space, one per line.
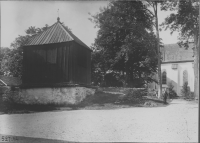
62, 26
39, 33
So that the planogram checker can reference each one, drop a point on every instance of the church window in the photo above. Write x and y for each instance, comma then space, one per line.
185, 76
164, 77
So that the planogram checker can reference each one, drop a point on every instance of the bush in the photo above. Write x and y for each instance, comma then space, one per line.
172, 93
10, 98
192, 95
185, 92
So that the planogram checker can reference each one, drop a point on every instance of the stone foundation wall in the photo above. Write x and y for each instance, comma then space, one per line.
58, 95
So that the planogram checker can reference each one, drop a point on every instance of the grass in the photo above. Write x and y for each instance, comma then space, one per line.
100, 100
112, 100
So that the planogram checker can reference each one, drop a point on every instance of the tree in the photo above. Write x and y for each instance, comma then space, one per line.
98, 67
4, 52
11, 64
186, 22
154, 12
126, 39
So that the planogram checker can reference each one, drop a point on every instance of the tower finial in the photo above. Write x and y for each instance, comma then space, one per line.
58, 19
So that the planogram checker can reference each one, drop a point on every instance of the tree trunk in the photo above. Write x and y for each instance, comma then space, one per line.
131, 83
196, 76
127, 75
196, 66
196, 61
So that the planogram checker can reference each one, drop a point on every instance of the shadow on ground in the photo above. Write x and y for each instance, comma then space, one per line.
99, 101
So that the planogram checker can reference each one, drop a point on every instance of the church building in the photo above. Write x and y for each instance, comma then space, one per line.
177, 67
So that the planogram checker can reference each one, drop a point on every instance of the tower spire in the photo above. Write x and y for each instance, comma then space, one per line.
58, 19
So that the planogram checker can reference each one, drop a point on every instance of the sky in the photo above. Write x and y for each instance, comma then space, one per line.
17, 16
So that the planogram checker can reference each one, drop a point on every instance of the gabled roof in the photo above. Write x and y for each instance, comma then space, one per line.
56, 33
9, 81
172, 52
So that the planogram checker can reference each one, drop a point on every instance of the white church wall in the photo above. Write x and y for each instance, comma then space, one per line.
188, 67
172, 75
176, 75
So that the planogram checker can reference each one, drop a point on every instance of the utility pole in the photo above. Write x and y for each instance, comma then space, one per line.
0, 29
198, 49
198, 59
155, 6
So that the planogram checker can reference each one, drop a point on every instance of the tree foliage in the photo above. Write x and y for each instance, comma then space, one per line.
185, 20
3, 60
126, 42
11, 62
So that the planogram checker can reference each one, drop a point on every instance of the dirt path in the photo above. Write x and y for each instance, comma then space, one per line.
176, 122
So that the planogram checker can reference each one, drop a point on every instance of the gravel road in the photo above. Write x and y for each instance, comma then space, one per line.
177, 122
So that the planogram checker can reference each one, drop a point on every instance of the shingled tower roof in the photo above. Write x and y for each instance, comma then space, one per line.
57, 33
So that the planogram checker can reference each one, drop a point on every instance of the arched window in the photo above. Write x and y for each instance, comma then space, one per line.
164, 77
185, 76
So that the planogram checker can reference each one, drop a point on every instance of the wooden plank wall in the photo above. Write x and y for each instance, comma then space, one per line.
81, 64
64, 62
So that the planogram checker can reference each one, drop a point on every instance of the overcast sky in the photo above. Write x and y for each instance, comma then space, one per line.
17, 16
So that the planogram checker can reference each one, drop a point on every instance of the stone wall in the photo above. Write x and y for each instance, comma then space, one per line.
58, 95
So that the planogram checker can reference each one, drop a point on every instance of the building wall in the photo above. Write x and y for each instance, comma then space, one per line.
190, 70
56, 63
176, 75
81, 65
172, 76
46, 63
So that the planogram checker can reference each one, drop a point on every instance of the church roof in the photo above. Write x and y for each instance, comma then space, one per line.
172, 52
57, 33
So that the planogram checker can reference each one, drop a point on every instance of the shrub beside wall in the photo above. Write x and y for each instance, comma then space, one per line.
172, 93
186, 91
8, 95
